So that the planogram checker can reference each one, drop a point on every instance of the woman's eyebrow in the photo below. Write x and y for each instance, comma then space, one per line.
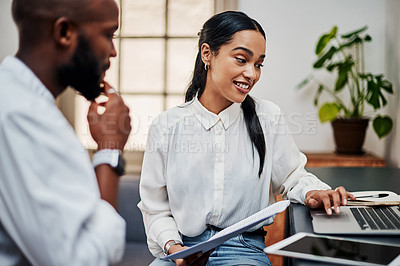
247, 51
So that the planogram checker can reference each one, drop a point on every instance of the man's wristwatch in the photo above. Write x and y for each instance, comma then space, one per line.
169, 245
111, 157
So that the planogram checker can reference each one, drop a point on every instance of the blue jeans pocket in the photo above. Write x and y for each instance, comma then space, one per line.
254, 242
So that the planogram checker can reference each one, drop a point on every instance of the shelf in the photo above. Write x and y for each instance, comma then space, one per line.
340, 160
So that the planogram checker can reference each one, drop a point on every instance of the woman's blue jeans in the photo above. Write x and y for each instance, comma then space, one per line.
244, 249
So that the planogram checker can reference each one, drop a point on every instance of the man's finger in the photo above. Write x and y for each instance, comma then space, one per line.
93, 107
111, 91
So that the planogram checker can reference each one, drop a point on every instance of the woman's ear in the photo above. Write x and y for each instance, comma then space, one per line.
206, 53
64, 32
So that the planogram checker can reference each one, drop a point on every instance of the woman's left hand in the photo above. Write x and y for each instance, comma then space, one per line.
328, 198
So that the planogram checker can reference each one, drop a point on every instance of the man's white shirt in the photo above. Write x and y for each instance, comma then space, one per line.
50, 204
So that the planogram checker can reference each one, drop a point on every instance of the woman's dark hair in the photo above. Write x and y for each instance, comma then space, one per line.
217, 31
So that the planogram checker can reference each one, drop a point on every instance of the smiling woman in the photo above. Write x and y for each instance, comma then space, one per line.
188, 195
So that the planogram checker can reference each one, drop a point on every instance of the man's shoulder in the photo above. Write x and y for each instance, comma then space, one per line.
13, 94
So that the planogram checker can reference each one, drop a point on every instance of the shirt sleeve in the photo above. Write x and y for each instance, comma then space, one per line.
49, 199
289, 176
158, 220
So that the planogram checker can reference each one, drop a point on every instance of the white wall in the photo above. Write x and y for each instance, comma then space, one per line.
9, 39
392, 57
293, 28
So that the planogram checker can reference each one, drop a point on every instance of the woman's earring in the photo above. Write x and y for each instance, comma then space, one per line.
206, 67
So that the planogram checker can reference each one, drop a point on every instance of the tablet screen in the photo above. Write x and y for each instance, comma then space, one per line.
344, 249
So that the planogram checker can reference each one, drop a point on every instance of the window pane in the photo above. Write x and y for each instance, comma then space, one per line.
181, 58
186, 17
143, 109
117, 32
142, 65
112, 73
143, 18
81, 125
174, 100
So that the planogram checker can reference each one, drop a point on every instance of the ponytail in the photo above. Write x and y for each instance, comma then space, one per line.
198, 82
254, 129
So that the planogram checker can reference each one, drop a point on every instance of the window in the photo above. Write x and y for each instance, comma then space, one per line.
156, 46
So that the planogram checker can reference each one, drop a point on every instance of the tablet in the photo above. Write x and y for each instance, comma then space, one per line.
336, 250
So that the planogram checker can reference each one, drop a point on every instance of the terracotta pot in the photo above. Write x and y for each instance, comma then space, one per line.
349, 135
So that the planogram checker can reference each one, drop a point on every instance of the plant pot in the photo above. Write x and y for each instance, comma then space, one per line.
349, 135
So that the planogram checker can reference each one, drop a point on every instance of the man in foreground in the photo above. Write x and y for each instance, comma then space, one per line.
52, 210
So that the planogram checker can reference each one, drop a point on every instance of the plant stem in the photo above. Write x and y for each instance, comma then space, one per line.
333, 95
355, 81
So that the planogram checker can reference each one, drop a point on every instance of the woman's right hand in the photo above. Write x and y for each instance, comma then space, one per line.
198, 258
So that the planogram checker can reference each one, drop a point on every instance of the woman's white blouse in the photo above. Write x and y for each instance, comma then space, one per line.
201, 169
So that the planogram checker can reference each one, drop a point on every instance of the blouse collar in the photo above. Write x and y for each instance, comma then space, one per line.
208, 119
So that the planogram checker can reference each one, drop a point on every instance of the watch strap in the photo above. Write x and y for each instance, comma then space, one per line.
110, 157
169, 244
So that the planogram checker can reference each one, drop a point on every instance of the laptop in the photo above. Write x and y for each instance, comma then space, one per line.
358, 220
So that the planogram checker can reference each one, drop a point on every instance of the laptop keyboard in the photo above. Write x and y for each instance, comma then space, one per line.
376, 218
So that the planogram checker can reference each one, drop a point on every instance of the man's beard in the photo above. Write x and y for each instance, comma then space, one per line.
83, 72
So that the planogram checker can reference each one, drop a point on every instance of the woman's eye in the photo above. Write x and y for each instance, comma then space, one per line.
240, 60
259, 65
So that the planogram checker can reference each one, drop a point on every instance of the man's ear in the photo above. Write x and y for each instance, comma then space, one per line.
206, 53
64, 32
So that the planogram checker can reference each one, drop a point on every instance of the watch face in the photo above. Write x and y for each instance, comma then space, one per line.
120, 168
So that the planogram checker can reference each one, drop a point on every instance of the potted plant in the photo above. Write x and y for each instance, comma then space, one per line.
356, 96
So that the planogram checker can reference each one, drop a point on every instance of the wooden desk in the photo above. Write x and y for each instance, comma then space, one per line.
340, 160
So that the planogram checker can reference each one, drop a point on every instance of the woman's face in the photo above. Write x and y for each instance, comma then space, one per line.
233, 71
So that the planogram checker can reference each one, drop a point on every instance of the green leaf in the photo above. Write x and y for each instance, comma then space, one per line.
343, 74
375, 86
368, 38
304, 82
341, 80
327, 56
328, 112
331, 67
333, 32
317, 94
349, 35
324, 40
382, 125
387, 86
352, 41
373, 94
